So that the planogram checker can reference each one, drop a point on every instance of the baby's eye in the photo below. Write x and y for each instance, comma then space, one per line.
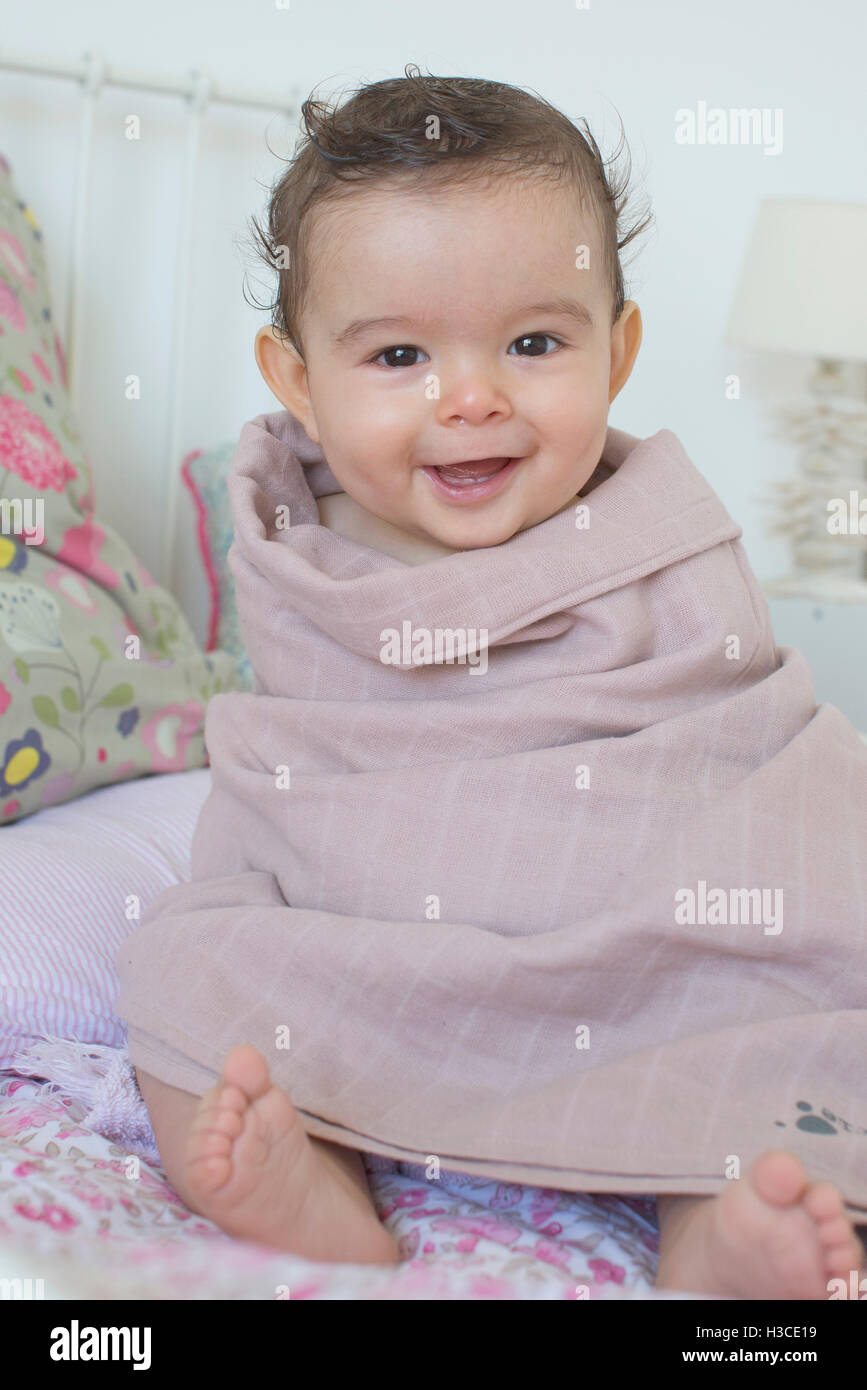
401, 362
535, 338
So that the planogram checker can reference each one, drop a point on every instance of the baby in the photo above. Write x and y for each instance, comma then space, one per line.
451, 329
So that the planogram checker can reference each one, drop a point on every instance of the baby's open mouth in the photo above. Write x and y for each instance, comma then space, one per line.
473, 480
475, 472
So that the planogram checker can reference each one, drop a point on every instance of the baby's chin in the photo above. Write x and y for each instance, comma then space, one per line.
477, 532
479, 528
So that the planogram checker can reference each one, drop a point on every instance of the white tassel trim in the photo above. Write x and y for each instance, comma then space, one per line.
103, 1082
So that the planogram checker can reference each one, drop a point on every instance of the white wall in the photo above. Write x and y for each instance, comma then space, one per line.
642, 60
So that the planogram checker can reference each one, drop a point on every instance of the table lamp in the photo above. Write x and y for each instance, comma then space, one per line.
803, 289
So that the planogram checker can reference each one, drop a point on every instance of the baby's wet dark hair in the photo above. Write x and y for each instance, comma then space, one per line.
419, 131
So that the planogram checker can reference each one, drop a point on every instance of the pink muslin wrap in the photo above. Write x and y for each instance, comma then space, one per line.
575, 896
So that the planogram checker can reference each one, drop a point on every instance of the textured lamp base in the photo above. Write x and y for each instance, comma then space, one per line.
833, 637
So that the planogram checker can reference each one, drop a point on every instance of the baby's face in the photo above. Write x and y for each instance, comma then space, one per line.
480, 358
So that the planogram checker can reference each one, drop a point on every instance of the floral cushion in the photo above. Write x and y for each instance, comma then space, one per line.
101, 678
205, 473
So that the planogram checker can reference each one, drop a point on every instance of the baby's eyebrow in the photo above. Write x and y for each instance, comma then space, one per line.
561, 307
360, 326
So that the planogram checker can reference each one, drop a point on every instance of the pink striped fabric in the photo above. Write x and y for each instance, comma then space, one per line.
68, 875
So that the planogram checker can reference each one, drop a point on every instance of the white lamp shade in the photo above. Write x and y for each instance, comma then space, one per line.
803, 283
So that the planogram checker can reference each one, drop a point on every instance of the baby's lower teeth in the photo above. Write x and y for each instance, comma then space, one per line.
462, 478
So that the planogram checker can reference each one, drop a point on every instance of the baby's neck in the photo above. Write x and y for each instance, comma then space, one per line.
341, 513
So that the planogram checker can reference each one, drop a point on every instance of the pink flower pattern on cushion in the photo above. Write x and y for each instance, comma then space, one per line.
72, 720
167, 733
29, 450
40, 367
80, 550
10, 307
13, 257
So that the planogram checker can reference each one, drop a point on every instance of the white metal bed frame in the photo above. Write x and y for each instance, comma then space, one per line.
198, 91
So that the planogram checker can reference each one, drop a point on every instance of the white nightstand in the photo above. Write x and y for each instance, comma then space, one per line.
833, 638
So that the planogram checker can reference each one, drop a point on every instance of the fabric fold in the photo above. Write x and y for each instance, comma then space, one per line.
589, 913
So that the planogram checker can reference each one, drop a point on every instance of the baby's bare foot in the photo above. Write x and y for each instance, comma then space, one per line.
253, 1170
770, 1234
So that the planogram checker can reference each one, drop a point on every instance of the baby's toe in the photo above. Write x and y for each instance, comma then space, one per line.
844, 1256
208, 1143
231, 1097
836, 1232
823, 1202
219, 1119
778, 1177
246, 1068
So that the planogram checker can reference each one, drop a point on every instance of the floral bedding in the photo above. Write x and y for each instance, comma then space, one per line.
92, 1221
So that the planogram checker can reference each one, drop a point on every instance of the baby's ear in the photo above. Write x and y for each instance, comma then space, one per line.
625, 341
285, 372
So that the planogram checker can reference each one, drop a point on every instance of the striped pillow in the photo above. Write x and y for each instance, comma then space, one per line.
75, 879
